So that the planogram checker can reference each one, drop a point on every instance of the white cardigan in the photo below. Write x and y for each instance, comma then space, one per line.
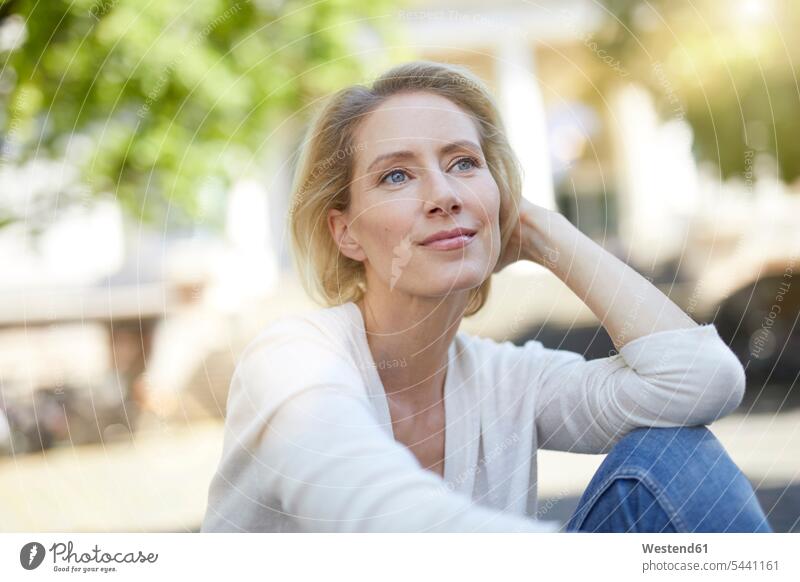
309, 446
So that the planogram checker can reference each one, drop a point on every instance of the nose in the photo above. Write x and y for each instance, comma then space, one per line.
442, 198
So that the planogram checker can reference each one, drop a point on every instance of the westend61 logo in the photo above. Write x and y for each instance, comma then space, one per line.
65, 559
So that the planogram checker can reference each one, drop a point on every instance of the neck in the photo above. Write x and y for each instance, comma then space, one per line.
409, 337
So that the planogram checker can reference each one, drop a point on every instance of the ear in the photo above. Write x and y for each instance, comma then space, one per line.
343, 236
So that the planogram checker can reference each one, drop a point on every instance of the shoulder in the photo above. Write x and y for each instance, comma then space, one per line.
292, 354
499, 366
322, 333
330, 324
505, 364
492, 353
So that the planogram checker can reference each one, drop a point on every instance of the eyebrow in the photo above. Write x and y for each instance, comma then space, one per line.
445, 149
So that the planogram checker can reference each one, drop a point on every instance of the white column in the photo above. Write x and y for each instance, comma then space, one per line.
656, 176
523, 112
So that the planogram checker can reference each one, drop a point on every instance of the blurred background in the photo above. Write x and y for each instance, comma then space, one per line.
146, 156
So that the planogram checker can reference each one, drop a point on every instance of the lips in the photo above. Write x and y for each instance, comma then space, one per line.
449, 234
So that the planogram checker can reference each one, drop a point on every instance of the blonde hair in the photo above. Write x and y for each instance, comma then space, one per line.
324, 173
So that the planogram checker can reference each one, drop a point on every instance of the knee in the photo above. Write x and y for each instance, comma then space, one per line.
692, 476
678, 459
687, 454
686, 443
668, 435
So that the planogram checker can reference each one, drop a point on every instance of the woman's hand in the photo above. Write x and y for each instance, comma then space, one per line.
529, 240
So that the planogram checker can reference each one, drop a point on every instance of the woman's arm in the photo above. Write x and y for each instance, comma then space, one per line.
669, 372
679, 377
627, 304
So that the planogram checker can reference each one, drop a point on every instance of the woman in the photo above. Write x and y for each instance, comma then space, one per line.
377, 414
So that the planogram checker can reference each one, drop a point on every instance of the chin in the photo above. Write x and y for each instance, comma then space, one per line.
440, 284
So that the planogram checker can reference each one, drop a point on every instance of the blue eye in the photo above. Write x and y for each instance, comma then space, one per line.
390, 176
472, 164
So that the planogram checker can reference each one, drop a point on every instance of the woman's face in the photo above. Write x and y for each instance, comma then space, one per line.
419, 172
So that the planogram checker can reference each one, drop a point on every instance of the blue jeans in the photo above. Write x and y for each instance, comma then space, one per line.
668, 480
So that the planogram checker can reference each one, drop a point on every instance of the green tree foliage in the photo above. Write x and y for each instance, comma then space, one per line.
727, 67
170, 93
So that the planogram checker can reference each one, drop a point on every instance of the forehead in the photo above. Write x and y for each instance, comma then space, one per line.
412, 121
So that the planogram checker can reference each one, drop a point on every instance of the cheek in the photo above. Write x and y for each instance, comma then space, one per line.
386, 230
487, 201
484, 188
489, 211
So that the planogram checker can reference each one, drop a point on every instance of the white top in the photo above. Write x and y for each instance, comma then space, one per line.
309, 446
